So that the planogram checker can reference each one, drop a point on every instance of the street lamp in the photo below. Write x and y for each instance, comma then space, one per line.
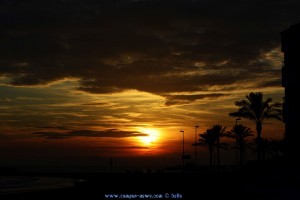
196, 145
182, 148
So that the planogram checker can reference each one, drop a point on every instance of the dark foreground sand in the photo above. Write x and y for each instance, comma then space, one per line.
176, 185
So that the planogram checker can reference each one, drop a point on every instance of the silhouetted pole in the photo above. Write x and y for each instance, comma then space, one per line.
236, 143
182, 149
196, 145
111, 164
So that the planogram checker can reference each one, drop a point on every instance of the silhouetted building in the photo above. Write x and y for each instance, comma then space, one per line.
290, 45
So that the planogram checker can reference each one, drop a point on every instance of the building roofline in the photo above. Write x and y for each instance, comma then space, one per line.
293, 27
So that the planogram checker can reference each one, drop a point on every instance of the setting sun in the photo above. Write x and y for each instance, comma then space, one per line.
152, 137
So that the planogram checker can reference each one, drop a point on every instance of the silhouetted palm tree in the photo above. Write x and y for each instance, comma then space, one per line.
208, 139
240, 133
211, 140
219, 132
255, 109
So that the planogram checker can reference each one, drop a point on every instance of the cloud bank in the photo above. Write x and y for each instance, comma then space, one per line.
170, 48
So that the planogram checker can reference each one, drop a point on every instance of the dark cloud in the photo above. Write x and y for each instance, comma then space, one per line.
271, 83
127, 147
95, 104
114, 133
156, 46
181, 99
6, 99
54, 127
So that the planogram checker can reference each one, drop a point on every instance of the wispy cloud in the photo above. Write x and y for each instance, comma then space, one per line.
181, 99
113, 133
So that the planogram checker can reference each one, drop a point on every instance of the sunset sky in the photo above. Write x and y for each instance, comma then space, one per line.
85, 81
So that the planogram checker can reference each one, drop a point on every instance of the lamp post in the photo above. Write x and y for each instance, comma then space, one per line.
196, 145
182, 149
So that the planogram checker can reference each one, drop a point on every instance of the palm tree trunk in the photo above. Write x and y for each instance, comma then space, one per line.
259, 140
245, 155
237, 153
214, 156
210, 158
218, 153
242, 153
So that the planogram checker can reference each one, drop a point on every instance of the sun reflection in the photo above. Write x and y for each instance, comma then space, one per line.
152, 137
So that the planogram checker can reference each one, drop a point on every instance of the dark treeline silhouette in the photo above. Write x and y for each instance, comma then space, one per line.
255, 109
240, 133
211, 140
